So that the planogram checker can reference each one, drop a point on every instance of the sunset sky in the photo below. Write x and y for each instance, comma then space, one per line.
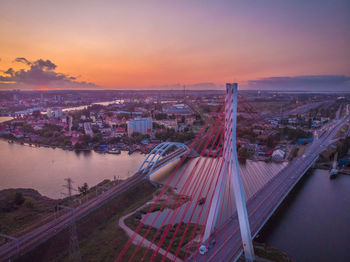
159, 44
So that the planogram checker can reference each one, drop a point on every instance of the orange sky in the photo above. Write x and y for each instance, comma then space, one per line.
152, 43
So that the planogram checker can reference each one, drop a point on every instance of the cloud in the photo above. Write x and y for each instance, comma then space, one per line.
48, 65
40, 73
303, 83
22, 60
10, 72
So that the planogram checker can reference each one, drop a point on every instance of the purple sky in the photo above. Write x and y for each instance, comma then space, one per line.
151, 44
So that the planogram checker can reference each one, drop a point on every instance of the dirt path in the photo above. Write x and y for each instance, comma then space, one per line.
138, 238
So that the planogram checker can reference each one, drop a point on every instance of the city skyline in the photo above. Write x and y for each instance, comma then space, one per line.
164, 45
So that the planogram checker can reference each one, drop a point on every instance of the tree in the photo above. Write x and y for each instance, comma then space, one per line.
28, 128
271, 141
243, 153
156, 125
85, 138
36, 113
78, 146
19, 199
113, 140
161, 116
309, 124
83, 189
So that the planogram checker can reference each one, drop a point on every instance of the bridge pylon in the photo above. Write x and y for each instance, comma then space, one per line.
230, 168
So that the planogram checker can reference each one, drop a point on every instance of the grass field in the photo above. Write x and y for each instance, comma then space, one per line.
100, 238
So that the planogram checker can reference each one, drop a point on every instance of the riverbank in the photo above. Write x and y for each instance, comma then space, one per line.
264, 253
23, 143
107, 149
100, 239
22, 210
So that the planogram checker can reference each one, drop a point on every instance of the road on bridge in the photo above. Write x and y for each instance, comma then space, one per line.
261, 206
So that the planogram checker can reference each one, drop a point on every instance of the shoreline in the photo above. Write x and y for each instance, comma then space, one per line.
38, 145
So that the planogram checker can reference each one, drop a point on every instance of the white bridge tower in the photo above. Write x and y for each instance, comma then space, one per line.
231, 169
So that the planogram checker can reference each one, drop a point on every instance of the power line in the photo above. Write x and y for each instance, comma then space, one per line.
74, 252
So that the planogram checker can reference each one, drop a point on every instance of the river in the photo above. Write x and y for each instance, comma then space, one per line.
75, 108
45, 169
313, 223
5, 118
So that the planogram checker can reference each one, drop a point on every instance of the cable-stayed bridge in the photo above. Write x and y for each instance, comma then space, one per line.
229, 203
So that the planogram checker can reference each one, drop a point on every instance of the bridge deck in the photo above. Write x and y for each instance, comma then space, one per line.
262, 205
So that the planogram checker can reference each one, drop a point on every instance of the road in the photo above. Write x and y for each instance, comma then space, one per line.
262, 205
307, 107
39, 235
140, 240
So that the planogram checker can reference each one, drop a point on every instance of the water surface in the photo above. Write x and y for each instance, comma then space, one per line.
313, 224
45, 169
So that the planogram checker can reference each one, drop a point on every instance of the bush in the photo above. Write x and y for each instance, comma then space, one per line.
83, 189
19, 199
29, 204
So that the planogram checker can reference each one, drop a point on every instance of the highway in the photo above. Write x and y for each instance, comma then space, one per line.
307, 107
34, 238
260, 207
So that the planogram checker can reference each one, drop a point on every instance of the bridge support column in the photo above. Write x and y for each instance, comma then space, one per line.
214, 209
231, 168
236, 181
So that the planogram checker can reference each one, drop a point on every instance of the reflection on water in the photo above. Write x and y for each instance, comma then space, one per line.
5, 118
117, 101
198, 179
313, 223
84, 153
44, 169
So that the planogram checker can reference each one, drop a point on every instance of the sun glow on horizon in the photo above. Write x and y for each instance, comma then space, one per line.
160, 43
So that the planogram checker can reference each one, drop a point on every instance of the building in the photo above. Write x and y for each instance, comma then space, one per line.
302, 141
179, 110
168, 123
278, 155
57, 98
54, 112
88, 129
140, 125
119, 131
